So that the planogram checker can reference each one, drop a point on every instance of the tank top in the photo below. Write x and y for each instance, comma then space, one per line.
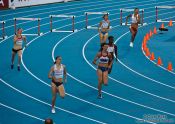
134, 19
111, 49
19, 41
105, 24
58, 73
104, 59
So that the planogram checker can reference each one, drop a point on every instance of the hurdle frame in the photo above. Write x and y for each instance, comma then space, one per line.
129, 10
28, 19
3, 30
62, 16
162, 7
93, 13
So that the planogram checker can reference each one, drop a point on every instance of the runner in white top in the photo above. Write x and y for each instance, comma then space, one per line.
103, 29
135, 20
58, 75
112, 48
17, 47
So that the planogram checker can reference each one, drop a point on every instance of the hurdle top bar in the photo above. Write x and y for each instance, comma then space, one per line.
165, 7
129, 10
97, 13
159, 20
63, 16
2, 21
28, 19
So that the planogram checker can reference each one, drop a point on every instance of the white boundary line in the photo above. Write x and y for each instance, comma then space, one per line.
21, 112
138, 72
52, 55
104, 91
63, 26
40, 101
108, 93
75, 96
122, 83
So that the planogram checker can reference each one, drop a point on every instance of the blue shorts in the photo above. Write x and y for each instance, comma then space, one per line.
103, 69
104, 33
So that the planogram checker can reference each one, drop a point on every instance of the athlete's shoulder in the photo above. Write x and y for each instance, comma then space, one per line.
63, 65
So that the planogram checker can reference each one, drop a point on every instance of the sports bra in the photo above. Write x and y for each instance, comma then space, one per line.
103, 59
19, 41
105, 24
111, 49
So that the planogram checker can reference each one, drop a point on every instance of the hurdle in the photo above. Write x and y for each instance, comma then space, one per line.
162, 7
131, 10
3, 30
93, 13
62, 16
28, 19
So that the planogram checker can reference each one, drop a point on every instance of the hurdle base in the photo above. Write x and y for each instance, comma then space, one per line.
124, 24
63, 31
4, 37
91, 27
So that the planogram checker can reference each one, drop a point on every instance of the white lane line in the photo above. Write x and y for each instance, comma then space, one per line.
122, 98
40, 101
21, 112
120, 82
172, 87
82, 100
103, 91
